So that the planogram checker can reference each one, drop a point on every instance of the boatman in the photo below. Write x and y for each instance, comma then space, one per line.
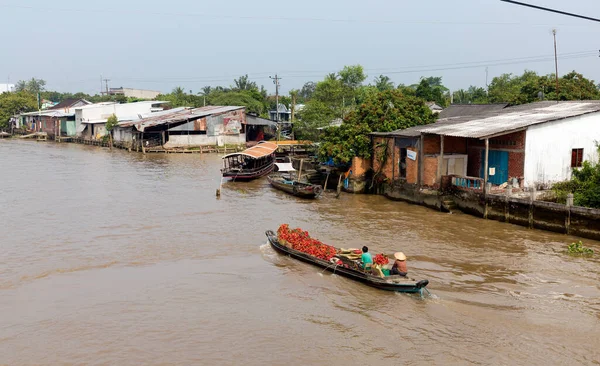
399, 267
367, 259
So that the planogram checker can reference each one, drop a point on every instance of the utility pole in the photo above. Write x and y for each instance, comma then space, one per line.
486, 81
106, 81
101, 92
276, 82
555, 63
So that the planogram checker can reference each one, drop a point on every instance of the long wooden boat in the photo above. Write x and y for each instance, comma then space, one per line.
389, 283
252, 163
291, 185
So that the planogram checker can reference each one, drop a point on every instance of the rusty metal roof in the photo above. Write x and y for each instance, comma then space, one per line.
501, 122
257, 151
177, 115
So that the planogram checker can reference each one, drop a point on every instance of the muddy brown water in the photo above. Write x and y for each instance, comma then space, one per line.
120, 258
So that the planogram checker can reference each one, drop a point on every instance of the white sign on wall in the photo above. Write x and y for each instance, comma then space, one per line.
492, 171
412, 155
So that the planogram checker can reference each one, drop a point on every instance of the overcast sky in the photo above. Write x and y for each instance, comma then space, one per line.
163, 44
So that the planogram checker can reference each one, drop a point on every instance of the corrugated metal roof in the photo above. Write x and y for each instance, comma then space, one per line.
463, 110
511, 121
177, 115
504, 121
258, 121
50, 113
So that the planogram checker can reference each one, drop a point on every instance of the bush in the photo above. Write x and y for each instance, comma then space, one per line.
578, 249
584, 184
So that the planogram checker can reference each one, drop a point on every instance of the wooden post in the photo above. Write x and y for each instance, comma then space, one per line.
441, 160
531, 200
326, 180
485, 167
339, 187
163, 138
142, 142
393, 158
300, 171
568, 213
420, 161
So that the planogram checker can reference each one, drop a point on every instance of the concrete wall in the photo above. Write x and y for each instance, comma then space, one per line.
140, 93
549, 145
542, 215
123, 134
101, 111
411, 193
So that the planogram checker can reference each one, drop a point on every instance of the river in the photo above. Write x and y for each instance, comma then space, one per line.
111, 257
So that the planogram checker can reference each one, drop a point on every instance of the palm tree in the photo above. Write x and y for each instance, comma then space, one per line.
383, 83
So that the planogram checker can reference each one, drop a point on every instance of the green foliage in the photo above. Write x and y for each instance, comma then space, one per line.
382, 112
528, 87
584, 185
383, 83
15, 103
307, 91
432, 90
578, 249
243, 83
111, 122
252, 100
352, 76
32, 86
473, 95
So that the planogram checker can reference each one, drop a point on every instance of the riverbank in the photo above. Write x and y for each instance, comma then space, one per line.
129, 146
528, 212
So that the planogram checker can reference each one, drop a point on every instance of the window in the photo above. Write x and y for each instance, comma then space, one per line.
576, 158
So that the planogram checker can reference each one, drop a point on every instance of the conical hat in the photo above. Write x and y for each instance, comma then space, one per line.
400, 256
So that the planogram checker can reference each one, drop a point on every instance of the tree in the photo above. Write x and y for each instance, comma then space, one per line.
584, 184
473, 95
307, 91
294, 96
12, 104
383, 83
111, 123
527, 88
243, 83
32, 86
381, 112
352, 76
325, 105
430, 93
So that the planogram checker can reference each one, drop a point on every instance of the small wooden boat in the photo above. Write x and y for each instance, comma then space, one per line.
252, 163
285, 180
389, 283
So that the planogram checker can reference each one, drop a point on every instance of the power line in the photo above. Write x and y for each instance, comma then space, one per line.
269, 18
398, 70
551, 10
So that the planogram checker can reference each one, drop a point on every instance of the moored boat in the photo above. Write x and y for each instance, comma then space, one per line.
252, 163
285, 180
389, 283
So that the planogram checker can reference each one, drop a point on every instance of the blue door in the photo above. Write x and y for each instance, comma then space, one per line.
499, 161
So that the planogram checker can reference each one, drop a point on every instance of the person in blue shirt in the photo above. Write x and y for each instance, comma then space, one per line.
367, 259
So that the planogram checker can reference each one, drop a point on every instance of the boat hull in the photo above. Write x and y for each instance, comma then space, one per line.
297, 189
380, 283
248, 175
